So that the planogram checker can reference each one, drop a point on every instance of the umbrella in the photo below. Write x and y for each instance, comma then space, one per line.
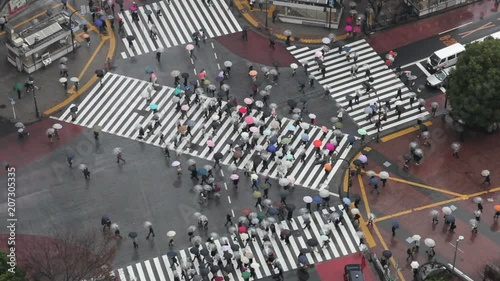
429, 242
485, 173
317, 199
355, 211
245, 274
330, 146
416, 237
171, 254
317, 143
153, 106
98, 23
294, 66
324, 193
189, 47
249, 120
228, 64
171, 233
446, 210
248, 101
185, 107
303, 259
291, 103
497, 208
175, 73
362, 132
414, 264
74, 79
252, 73
176, 164
283, 182
218, 156
395, 224
387, 254
450, 219
149, 70
202, 172
82, 167
313, 242
363, 158
346, 201
19, 125
18, 86
50, 131
132, 235
384, 175
373, 181
257, 194
57, 126
130, 38
478, 200
326, 40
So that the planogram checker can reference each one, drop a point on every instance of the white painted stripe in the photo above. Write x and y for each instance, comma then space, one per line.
149, 269
131, 273
121, 274
457, 27
142, 277
159, 270
423, 69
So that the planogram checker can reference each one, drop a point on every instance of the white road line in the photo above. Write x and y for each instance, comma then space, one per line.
423, 69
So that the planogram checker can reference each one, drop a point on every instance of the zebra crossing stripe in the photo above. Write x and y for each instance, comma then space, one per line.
118, 106
342, 84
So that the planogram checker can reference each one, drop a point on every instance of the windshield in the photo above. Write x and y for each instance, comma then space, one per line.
441, 75
434, 60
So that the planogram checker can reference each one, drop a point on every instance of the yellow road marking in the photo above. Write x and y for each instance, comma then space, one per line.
346, 181
363, 195
32, 18
403, 132
367, 148
270, 11
426, 186
369, 240
382, 241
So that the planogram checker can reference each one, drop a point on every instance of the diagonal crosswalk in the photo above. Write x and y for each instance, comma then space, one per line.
343, 240
178, 21
118, 108
342, 84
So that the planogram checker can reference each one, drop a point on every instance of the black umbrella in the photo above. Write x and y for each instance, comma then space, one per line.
185, 75
349, 97
132, 235
218, 156
339, 44
204, 252
99, 73
303, 275
257, 83
290, 207
192, 168
450, 219
130, 38
229, 268
320, 162
214, 269
194, 251
266, 112
204, 271
357, 162
228, 255
387, 254
291, 103
209, 259
235, 247
313, 242
304, 251
171, 254
215, 125
285, 233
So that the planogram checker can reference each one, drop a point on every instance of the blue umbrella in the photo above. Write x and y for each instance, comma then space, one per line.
149, 70
273, 140
373, 181
304, 137
317, 199
291, 127
351, 138
273, 211
171, 254
387, 254
70, 155
191, 123
395, 223
271, 148
187, 88
346, 48
303, 259
64, 1
202, 172
98, 23
346, 201
153, 106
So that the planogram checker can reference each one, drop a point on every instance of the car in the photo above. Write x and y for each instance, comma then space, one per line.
439, 78
353, 272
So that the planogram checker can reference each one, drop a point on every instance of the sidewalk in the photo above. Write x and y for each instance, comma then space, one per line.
51, 95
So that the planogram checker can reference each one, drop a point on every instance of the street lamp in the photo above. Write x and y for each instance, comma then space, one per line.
460, 238
267, 3
35, 101
72, 33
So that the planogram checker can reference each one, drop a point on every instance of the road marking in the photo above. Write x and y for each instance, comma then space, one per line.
482, 27
460, 26
229, 199
413, 63
369, 240
423, 69
403, 132
363, 195
456, 248
427, 187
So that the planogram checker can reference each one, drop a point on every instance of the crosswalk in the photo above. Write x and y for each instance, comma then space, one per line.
343, 240
117, 106
342, 84
178, 21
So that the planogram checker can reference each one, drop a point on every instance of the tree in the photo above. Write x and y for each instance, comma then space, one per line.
5, 275
70, 256
474, 85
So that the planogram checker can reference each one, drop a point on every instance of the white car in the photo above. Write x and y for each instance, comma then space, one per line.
437, 79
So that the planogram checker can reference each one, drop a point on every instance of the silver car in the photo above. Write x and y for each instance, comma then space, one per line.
437, 79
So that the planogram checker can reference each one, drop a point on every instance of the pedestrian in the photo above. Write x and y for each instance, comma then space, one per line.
158, 56
50, 135
259, 202
399, 93
367, 72
455, 148
348, 56
151, 232
136, 245
117, 233
86, 173
487, 180
409, 255
323, 71
452, 227
158, 12
228, 220
311, 81
196, 40
87, 39
119, 158
275, 15
307, 221
69, 159
477, 215
272, 43
174, 261
171, 242
435, 218
244, 34
191, 55
497, 214
393, 229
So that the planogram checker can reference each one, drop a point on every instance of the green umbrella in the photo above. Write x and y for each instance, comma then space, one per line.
362, 132
245, 274
18, 86
285, 140
338, 125
261, 216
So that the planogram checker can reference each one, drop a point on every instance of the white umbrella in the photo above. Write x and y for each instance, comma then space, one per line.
429, 242
191, 162
228, 64
414, 264
416, 237
160, 50
114, 226
284, 182
355, 211
57, 126
370, 173
485, 173
455, 146
312, 116
147, 224
189, 47
176, 163
384, 175
324, 238
434, 213
19, 125
446, 210
294, 66
326, 40
273, 105
244, 259
478, 200
82, 167
307, 199
50, 131
360, 234
324, 193
117, 150
244, 236
255, 265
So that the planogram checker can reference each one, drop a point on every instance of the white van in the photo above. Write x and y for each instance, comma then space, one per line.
444, 58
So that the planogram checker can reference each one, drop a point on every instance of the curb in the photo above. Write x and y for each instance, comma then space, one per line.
241, 6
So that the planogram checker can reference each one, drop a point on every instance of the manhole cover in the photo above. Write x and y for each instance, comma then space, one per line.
2, 106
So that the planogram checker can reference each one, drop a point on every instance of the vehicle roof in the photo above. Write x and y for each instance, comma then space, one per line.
455, 48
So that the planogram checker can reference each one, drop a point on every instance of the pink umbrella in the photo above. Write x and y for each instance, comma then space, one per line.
185, 107
254, 129
248, 101
133, 8
249, 120
363, 158
201, 75
357, 28
330, 146
153, 75
189, 47
324, 129
210, 143
348, 28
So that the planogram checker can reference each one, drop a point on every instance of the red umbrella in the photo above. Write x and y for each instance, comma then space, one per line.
357, 28
246, 211
249, 120
242, 229
317, 143
242, 110
348, 20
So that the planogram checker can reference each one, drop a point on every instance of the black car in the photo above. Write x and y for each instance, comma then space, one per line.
353, 272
